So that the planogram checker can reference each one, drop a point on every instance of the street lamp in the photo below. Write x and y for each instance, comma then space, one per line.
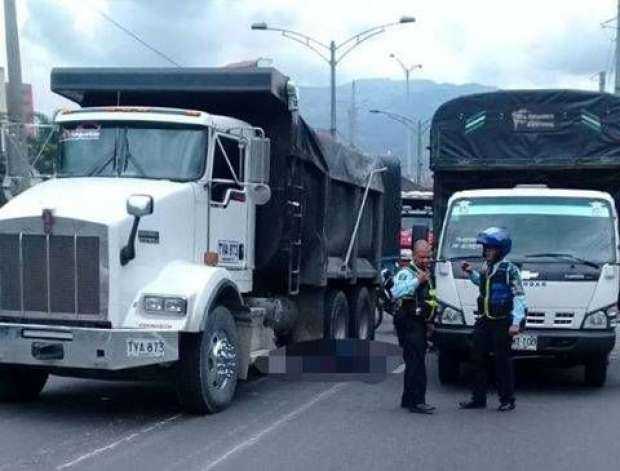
329, 52
418, 127
407, 70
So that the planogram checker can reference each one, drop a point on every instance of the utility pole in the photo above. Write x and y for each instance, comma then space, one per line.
418, 173
617, 74
17, 165
14, 99
602, 76
353, 115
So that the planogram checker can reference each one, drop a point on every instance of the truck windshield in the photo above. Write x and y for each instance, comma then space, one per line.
541, 228
131, 150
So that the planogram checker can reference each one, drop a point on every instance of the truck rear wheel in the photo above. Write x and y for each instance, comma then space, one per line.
209, 365
21, 384
362, 319
449, 367
336, 315
596, 371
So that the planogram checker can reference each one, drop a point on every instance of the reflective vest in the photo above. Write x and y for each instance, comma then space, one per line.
423, 302
496, 298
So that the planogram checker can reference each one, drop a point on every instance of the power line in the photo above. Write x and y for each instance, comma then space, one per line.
137, 38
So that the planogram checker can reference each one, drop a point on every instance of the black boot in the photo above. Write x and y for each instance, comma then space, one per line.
422, 409
506, 406
472, 404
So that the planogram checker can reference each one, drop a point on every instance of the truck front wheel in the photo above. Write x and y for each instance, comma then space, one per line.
449, 366
596, 371
209, 365
21, 384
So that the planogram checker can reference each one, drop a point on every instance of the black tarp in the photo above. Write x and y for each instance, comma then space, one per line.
558, 138
324, 175
533, 128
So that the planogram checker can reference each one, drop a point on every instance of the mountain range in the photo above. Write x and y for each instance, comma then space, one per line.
376, 133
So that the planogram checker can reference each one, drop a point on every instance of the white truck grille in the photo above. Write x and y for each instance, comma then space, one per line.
58, 275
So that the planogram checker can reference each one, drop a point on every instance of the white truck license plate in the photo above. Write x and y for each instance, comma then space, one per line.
145, 348
228, 251
525, 342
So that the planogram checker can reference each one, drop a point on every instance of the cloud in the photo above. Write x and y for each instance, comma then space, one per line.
530, 43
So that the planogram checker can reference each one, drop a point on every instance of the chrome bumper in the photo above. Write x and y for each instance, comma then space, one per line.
104, 349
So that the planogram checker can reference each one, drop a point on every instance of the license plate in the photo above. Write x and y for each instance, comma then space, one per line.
228, 251
525, 342
145, 348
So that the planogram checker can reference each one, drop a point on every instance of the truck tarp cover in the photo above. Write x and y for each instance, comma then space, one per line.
535, 128
557, 138
307, 167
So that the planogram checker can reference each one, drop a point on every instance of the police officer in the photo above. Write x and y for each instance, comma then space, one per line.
501, 306
413, 289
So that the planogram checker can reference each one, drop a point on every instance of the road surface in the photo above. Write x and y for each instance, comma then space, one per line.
279, 425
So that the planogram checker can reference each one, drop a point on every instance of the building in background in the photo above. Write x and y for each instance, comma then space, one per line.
27, 98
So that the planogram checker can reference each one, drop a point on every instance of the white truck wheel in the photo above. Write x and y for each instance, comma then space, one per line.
21, 384
596, 371
209, 365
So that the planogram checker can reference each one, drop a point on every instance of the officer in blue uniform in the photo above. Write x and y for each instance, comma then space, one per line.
501, 308
413, 288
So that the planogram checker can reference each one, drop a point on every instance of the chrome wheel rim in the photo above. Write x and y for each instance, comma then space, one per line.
221, 361
339, 330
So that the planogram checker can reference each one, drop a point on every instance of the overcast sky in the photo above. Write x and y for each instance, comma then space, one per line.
505, 43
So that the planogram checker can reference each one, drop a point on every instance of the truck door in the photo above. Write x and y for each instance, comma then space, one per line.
228, 205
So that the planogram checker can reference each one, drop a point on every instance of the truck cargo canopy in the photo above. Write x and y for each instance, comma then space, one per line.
533, 129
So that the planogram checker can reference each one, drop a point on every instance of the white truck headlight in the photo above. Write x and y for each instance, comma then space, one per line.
596, 320
165, 305
451, 316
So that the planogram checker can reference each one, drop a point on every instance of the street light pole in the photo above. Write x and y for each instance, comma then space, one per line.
329, 52
418, 127
332, 87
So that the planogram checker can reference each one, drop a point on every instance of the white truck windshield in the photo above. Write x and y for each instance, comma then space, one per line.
542, 228
132, 150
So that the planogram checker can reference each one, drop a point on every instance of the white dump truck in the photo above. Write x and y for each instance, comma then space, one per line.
543, 164
194, 222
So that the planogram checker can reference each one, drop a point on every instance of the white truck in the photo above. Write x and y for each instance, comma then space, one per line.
544, 165
180, 242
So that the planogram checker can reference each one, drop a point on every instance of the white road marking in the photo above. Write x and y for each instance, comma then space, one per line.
116, 443
287, 418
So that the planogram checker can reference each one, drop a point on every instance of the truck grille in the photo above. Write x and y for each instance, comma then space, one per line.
50, 274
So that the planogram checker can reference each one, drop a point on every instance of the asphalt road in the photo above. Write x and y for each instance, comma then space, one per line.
274, 424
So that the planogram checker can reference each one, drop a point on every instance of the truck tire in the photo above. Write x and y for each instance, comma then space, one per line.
449, 367
336, 325
362, 320
209, 365
596, 371
21, 384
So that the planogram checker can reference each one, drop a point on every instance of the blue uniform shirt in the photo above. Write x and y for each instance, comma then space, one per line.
405, 283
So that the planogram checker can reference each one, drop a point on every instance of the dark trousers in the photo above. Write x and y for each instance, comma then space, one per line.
412, 339
491, 336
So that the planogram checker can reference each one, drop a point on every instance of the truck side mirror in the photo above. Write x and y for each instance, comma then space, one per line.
137, 206
140, 205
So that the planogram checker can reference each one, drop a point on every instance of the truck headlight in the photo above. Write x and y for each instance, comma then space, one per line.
165, 305
451, 316
596, 320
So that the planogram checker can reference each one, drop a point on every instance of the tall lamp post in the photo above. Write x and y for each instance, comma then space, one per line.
333, 53
407, 70
417, 127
